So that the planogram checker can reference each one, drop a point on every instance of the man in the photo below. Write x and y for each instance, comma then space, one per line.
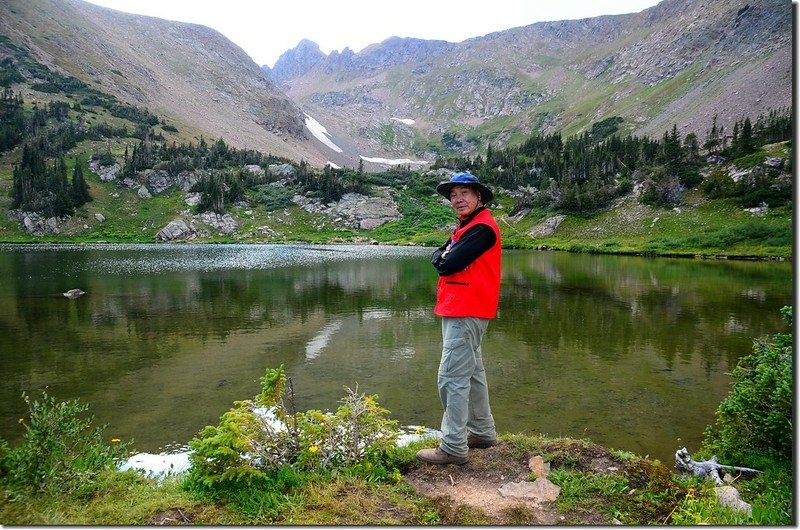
467, 297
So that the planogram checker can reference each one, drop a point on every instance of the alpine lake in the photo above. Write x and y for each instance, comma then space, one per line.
633, 353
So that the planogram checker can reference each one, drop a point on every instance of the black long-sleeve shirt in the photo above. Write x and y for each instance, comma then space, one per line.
474, 242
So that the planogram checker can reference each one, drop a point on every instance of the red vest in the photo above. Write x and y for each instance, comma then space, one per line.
475, 291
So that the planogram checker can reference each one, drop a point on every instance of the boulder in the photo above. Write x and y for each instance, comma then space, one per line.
281, 170
175, 230
35, 224
729, 496
356, 210
157, 181
226, 224
106, 173
192, 199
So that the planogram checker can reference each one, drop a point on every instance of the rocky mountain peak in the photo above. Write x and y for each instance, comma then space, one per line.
394, 51
679, 62
297, 61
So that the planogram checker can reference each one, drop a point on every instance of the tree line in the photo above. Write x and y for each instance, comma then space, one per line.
581, 173
588, 171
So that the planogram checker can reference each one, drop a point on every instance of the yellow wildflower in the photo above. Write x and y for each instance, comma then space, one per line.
313, 448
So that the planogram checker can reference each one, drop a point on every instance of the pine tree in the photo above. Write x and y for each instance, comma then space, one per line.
746, 145
80, 189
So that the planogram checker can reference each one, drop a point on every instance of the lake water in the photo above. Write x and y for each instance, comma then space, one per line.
629, 352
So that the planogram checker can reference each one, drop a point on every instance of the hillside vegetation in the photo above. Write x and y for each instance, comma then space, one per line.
598, 192
78, 164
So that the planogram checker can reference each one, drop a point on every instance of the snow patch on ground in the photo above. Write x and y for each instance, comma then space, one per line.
158, 466
321, 133
395, 161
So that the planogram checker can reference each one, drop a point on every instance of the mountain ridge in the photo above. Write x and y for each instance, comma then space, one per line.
188, 73
679, 62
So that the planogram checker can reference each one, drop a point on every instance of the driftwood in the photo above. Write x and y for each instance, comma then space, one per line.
709, 469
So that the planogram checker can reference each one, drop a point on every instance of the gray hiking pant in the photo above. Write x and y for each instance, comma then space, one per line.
462, 385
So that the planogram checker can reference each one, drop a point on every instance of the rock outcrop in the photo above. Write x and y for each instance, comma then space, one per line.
356, 210
175, 230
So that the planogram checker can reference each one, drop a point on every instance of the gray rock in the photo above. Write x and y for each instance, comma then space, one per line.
547, 227
192, 199
729, 496
356, 210
758, 211
255, 169
540, 490
281, 170
100, 217
226, 224
157, 181
35, 224
106, 173
177, 229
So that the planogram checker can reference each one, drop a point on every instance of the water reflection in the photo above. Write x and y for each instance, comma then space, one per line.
630, 352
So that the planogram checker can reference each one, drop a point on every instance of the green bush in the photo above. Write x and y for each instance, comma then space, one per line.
750, 161
257, 439
755, 419
273, 197
62, 451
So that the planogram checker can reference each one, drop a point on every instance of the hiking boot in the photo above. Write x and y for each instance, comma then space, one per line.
437, 456
473, 442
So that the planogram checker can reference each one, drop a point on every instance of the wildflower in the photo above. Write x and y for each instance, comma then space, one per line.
313, 448
420, 429
21, 421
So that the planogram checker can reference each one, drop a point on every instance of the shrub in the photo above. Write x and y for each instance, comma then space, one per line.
718, 184
61, 451
755, 419
273, 197
661, 189
104, 159
258, 438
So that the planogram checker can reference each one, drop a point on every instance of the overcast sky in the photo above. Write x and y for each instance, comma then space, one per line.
265, 30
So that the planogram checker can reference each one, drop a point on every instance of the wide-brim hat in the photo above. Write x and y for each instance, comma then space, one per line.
465, 178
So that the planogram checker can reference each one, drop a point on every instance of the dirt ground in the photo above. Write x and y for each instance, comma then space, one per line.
471, 491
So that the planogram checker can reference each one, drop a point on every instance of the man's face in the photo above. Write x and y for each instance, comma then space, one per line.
464, 200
